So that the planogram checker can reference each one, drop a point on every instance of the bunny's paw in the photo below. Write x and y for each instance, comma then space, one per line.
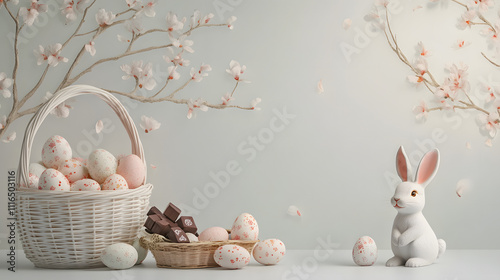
395, 261
417, 262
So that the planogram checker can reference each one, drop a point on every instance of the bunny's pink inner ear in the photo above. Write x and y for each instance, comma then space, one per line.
427, 166
402, 165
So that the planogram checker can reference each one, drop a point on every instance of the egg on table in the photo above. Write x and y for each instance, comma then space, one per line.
53, 180
114, 182
55, 151
245, 228
132, 169
101, 164
231, 256
365, 251
269, 251
74, 170
85, 185
119, 256
214, 234
141, 251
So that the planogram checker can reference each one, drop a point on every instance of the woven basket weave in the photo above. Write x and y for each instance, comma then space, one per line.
69, 229
187, 255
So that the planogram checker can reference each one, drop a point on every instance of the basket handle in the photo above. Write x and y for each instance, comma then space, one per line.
58, 98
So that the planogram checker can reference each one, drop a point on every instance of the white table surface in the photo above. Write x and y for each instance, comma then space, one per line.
297, 265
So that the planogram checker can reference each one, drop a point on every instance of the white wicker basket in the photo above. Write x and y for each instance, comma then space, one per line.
70, 229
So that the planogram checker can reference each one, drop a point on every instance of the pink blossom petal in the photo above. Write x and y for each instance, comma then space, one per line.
153, 166
98, 126
10, 138
320, 87
294, 211
488, 143
468, 146
462, 186
346, 24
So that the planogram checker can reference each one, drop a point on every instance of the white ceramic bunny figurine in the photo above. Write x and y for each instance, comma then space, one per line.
413, 241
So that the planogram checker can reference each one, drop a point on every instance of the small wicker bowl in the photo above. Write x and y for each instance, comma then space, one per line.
187, 255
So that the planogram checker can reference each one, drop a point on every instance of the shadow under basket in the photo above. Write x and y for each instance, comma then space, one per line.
187, 255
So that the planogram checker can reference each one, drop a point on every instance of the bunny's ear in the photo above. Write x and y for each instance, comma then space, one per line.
428, 167
403, 165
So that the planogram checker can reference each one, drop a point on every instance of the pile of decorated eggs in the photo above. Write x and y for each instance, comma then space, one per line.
60, 171
233, 256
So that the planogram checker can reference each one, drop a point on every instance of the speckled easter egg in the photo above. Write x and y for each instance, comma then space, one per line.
214, 234
132, 169
269, 251
141, 251
53, 180
231, 256
85, 185
55, 151
119, 256
364, 251
74, 170
32, 182
245, 228
114, 182
36, 169
101, 164
82, 160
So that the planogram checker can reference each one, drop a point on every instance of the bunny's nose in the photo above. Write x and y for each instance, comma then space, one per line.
397, 199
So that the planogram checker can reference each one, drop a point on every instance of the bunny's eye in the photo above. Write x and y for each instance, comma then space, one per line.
414, 193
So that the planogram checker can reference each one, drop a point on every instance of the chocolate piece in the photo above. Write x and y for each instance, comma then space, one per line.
187, 224
161, 227
178, 235
172, 212
155, 211
150, 221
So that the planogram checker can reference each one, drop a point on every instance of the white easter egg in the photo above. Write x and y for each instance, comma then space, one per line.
141, 251
55, 151
32, 181
114, 182
245, 228
74, 170
214, 234
36, 169
132, 169
53, 180
192, 238
101, 164
119, 256
231, 256
85, 185
269, 251
364, 251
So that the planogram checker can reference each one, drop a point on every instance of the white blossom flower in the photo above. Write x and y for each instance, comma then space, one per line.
69, 9
90, 48
11, 137
420, 111
122, 39
205, 19
197, 104
489, 123
149, 124
132, 3
255, 102
31, 13
173, 24
230, 22
175, 59
197, 75
293, 211
172, 73
227, 98
466, 19
422, 50
460, 44
134, 25
49, 54
182, 43
62, 110
148, 9
481, 5
382, 3
104, 18
5, 84
235, 70
143, 74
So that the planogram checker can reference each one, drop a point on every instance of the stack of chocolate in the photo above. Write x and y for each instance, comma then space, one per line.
169, 224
